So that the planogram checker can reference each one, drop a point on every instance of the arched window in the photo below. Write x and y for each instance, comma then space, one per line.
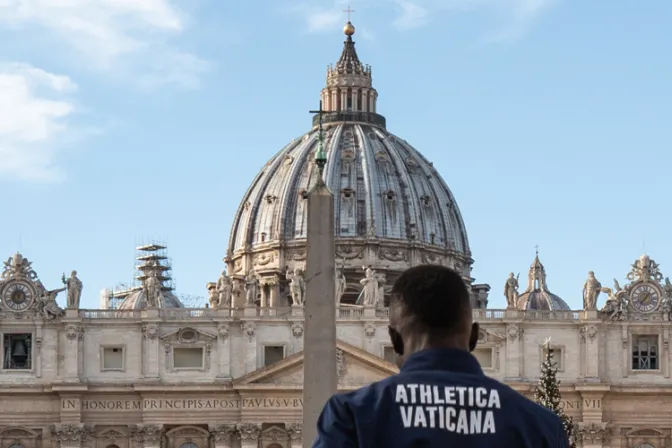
188, 445
646, 445
112, 446
16, 445
274, 445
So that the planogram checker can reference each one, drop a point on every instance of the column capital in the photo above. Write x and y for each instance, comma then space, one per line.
222, 434
295, 431
249, 432
593, 433
147, 435
70, 434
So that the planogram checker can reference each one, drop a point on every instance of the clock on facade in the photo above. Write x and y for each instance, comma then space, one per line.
17, 296
645, 297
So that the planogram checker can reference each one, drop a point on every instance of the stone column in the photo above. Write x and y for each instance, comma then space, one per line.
593, 435
319, 343
223, 436
150, 334
514, 351
74, 333
69, 435
147, 436
223, 351
274, 285
249, 434
295, 432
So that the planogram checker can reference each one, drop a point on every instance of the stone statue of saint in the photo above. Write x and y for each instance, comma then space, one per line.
251, 288
380, 294
224, 289
74, 286
213, 297
48, 306
511, 291
340, 285
370, 291
152, 289
591, 289
297, 287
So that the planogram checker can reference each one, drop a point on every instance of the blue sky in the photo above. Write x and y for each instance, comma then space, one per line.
125, 121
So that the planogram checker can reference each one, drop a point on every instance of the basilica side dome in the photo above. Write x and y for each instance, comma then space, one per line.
392, 207
537, 296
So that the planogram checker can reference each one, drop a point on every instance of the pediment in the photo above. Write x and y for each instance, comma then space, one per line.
188, 335
356, 368
490, 337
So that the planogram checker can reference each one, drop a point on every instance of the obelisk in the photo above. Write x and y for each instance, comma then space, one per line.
320, 379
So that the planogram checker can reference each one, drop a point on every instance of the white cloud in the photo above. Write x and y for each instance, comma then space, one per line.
515, 16
34, 108
319, 19
121, 36
412, 15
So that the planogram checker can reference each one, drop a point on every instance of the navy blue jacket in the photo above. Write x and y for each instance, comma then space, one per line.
441, 398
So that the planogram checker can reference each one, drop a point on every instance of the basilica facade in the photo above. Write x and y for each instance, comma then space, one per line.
144, 371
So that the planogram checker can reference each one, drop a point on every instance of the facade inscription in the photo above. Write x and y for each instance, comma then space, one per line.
182, 403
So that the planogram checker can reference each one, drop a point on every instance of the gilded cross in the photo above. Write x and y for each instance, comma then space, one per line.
349, 11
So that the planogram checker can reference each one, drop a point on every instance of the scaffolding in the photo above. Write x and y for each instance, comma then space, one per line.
151, 259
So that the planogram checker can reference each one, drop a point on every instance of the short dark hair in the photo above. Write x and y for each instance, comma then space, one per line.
432, 299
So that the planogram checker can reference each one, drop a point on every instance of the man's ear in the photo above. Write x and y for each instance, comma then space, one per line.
473, 337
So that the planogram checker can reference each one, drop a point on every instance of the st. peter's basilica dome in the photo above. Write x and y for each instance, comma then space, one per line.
393, 209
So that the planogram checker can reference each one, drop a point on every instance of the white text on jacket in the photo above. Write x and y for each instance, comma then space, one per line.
459, 409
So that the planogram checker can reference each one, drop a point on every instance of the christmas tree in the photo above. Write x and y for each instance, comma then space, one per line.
548, 392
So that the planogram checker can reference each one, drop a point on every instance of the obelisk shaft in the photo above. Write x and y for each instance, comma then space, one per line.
320, 379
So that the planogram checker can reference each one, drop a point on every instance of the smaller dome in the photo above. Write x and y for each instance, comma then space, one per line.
137, 301
349, 29
537, 297
541, 301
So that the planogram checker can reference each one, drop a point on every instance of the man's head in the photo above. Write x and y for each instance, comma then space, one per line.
430, 307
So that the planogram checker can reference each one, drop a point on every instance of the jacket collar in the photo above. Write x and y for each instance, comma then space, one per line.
447, 359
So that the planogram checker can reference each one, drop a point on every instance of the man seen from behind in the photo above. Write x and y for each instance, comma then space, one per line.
441, 397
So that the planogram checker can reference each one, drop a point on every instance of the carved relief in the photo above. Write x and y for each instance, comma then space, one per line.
222, 434
71, 434
238, 265
392, 255
249, 329
514, 332
295, 255
341, 365
150, 331
349, 252
593, 434
73, 332
295, 431
370, 330
430, 258
147, 435
588, 333
249, 432
264, 259
223, 331
111, 436
297, 329
274, 434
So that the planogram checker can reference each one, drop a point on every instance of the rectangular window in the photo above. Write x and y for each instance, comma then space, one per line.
273, 354
17, 351
645, 352
484, 357
188, 357
389, 355
113, 358
557, 355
